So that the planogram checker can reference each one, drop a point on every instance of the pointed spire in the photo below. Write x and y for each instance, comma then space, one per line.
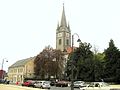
63, 19
58, 25
68, 26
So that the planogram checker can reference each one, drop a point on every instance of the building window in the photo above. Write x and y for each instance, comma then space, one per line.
15, 70
60, 41
67, 42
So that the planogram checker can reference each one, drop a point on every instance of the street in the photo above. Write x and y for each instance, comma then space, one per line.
15, 87
62, 88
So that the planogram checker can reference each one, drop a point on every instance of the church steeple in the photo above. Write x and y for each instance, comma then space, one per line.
58, 26
68, 26
63, 19
63, 34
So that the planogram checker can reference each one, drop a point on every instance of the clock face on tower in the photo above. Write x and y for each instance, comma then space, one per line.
59, 34
67, 34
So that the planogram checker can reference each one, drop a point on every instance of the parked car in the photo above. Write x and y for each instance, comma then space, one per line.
42, 84
62, 84
7, 82
78, 84
53, 83
28, 83
2, 81
96, 86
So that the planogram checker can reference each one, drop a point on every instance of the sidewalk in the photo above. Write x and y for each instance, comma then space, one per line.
21, 87
115, 87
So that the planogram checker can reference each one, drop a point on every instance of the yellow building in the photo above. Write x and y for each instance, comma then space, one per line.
21, 69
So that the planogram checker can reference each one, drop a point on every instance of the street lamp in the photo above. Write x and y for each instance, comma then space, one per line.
72, 66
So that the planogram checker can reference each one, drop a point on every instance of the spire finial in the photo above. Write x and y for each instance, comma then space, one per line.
63, 19
58, 25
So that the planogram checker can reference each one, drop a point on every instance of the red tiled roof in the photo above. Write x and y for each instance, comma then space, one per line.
69, 50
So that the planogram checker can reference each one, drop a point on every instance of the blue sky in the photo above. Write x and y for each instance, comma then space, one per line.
27, 26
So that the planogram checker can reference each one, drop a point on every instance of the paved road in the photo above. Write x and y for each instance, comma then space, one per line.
15, 87
63, 88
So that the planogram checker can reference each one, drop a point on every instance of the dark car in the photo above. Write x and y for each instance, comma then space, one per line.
2, 81
61, 84
53, 83
28, 83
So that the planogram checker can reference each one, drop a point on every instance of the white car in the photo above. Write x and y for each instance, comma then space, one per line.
42, 84
78, 84
97, 86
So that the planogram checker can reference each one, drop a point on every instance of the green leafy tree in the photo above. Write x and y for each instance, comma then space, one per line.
112, 63
98, 66
84, 62
88, 65
82, 58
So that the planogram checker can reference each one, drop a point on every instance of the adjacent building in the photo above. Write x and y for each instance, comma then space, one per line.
2, 74
21, 69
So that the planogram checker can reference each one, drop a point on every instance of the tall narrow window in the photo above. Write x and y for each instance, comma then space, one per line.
67, 42
60, 41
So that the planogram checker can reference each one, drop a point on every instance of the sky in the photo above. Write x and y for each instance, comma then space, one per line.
27, 26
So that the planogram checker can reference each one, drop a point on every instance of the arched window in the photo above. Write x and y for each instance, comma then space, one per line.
60, 41
67, 42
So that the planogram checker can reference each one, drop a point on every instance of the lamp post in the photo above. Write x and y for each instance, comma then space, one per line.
72, 66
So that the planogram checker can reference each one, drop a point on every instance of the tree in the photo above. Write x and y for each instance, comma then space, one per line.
59, 63
112, 62
98, 66
82, 58
48, 63
98, 60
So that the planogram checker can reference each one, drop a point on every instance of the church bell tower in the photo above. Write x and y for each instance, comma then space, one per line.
63, 34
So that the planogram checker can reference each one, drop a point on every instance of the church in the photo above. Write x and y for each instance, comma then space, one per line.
25, 67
